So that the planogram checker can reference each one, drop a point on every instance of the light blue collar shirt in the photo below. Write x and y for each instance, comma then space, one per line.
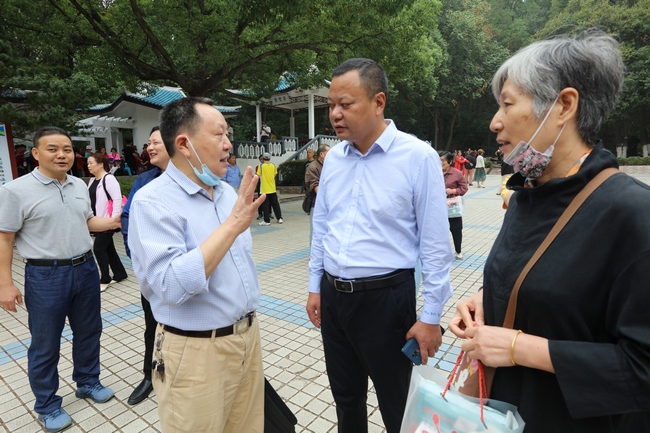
169, 219
233, 176
382, 211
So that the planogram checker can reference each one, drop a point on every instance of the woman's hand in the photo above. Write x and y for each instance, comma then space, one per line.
495, 346
490, 344
469, 313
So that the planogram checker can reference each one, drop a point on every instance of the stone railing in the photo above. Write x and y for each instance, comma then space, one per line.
313, 145
253, 149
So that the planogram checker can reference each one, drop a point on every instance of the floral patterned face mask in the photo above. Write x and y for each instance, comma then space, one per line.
528, 161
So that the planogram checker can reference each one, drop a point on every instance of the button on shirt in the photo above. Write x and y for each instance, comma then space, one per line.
169, 219
380, 212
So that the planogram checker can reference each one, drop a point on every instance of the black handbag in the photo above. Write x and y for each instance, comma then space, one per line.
278, 418
308, 202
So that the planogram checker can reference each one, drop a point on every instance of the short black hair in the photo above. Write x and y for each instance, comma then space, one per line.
49, 130
177, 115
154, 129
372, 75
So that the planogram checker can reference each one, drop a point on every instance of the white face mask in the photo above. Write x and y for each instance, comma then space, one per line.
207, 177
528, 161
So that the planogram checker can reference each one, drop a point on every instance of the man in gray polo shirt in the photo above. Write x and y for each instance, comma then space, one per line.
48, 215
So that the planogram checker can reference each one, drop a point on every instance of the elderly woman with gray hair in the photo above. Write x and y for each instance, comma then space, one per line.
577, 357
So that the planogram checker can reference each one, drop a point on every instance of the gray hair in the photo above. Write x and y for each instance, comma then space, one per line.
589, 62
322, 148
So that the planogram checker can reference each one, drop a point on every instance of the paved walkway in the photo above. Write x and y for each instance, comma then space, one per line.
292, 347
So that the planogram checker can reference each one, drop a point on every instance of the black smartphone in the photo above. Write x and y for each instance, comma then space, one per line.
412, 349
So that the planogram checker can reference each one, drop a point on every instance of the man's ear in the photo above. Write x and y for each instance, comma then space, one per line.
380, 102
183, 146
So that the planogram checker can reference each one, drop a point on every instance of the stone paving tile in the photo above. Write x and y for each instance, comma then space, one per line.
292, 347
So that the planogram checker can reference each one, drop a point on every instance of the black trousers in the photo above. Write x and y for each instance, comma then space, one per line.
456, 229
149, 337
271, 201
106, 256
363, 334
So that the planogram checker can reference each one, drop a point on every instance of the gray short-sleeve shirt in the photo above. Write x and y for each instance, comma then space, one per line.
49, 218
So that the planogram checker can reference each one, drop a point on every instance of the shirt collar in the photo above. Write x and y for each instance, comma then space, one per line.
188, 185
384, 141
47, 180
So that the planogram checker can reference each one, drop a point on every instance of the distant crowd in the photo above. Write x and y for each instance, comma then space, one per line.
129, 162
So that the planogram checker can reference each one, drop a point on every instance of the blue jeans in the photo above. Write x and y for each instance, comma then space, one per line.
51, 294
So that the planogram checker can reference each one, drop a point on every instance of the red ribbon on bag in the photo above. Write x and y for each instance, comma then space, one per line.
481, 379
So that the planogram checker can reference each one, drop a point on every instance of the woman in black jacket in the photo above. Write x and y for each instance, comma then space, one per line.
578, 358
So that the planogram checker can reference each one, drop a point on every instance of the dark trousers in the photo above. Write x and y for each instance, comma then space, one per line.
363, 334
53, 293
456, 229
149, 337
271, 201
106, 255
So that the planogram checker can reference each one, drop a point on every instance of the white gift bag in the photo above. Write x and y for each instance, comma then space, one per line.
427, 411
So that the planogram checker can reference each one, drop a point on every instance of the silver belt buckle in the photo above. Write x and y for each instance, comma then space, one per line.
345, 286
240, 326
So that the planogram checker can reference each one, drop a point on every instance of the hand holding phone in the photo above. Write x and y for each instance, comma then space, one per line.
412, 351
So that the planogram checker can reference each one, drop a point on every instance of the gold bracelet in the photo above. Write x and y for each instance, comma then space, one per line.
512, 347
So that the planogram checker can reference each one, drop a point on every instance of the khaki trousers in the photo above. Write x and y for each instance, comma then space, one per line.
211, 385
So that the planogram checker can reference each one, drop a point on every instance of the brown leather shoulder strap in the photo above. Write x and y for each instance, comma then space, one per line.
575, 204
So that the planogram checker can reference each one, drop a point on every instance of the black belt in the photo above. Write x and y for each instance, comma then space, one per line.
240, 326
75, 261
371, 283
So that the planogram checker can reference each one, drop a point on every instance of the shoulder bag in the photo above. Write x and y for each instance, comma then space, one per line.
109, 205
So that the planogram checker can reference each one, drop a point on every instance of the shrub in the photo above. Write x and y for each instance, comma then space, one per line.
292, 172
126, 183
634, 160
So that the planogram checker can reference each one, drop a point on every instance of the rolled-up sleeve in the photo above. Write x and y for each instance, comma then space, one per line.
166, 257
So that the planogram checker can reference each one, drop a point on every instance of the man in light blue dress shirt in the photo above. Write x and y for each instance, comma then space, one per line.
233, 175
192, 253
381, 206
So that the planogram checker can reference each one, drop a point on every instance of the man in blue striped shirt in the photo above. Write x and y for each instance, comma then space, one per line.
192, 253
381, 206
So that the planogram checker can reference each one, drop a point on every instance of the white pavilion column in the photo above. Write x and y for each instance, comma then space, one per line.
312, 127
258, 120
292, 124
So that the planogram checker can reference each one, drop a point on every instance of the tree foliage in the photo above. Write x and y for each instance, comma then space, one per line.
629, 20
206, 46
440, 57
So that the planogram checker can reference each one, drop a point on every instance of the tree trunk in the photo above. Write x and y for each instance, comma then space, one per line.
450, 137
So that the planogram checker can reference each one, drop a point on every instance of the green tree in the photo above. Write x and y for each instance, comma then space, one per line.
630, 21
472, 56
209, 47
43, 79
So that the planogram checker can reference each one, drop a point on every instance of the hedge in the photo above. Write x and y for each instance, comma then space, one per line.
634, 160
292, 172
126, 183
